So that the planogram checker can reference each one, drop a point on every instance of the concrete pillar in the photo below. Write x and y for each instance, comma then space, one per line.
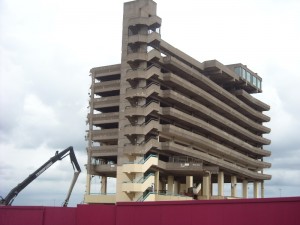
170, 185
255, 189
221, 183
211, 187
188, 182
176, 187
156, 182
88, 184
262, 189
103, 185
233, 186
206, 186
245, 189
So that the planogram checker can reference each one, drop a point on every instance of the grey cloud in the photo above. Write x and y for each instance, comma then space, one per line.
287, 160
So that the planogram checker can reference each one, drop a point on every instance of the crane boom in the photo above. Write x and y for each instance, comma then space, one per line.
8, 200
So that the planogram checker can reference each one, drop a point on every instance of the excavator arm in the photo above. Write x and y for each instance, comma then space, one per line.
8, 200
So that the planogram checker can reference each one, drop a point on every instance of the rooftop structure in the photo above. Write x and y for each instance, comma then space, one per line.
169, 127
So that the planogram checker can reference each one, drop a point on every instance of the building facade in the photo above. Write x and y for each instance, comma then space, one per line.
169, 127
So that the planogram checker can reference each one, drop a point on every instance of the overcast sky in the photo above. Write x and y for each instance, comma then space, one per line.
48, 47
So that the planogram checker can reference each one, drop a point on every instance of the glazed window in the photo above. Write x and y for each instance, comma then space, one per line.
237, 70
249, 77
259, 84
244, 73
254, 81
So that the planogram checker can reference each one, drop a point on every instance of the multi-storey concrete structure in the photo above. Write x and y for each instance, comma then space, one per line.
167, 126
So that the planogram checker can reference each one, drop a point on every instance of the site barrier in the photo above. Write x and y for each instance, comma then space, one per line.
37, 215
271, 211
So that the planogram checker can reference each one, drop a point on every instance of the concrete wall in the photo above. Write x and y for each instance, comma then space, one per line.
274, 211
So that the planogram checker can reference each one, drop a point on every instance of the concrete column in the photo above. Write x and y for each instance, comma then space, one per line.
262, 189
245, 189
221, 183
176, 187
88, 184
206, 186
170, 184
156, 182
103, 185
233, 186
255, 189
188, 182
211, 187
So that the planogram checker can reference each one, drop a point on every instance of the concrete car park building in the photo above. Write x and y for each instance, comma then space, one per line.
169, 127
